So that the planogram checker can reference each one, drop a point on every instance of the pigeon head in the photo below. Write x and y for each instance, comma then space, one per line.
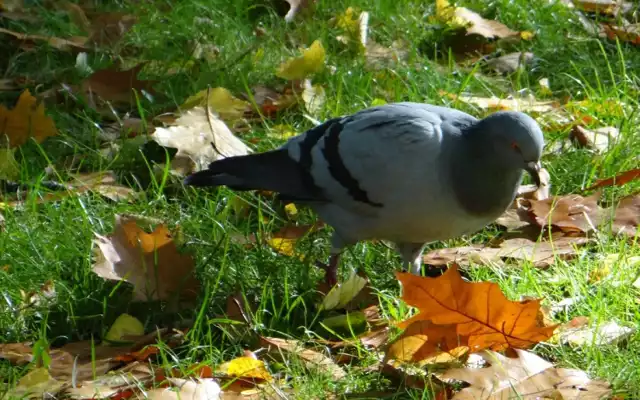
511, 139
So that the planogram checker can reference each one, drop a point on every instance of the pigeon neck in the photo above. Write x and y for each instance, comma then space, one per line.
482, 184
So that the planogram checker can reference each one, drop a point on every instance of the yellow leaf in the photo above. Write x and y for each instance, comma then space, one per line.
291, 210
281, 131
446, 13
246, 367
221, 102
37, 383
526, 35
283, 245
311, 61
25, 120
9, 168
124, 325
349, 23
378, 102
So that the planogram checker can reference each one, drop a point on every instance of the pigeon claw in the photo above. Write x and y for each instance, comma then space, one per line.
331, 270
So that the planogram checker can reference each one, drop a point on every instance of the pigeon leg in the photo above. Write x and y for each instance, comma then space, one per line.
411, 256
331, 269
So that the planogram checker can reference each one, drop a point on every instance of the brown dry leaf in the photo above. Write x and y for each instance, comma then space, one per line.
510, 63
621, 179
530, 104
533, 192
584, 335
629, 33
571, 213
149, 261
131, 376
16, 353
116, 87
423, 340
479, 309
599, 139
380, 57
37, 383
526, 377
26, 120
107, 29
313, 359
539, 254
202, 137
103, 183
626, 218
605, 7
75, 43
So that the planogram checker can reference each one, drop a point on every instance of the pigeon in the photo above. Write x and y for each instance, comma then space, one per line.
408, 173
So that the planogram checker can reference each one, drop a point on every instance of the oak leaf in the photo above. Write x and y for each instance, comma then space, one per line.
149, 261
479, 309
526, 377
26, 120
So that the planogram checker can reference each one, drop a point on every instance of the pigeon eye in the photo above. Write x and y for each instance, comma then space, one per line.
515, 146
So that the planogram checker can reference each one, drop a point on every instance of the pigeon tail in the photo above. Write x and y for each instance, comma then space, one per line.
273, 171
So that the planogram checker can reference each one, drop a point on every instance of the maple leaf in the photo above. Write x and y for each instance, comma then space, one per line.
26, 120
525, 377
422, 340
151, 262
310, 62
200, 136
479, 309
571, 213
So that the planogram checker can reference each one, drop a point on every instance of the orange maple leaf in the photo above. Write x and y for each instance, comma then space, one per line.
424, 339
480, 311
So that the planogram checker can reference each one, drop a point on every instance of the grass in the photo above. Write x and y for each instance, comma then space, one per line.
53, 241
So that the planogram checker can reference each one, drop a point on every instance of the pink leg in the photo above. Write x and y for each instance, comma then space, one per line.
331, 269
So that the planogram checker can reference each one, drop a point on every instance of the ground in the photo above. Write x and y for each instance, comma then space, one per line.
53, 241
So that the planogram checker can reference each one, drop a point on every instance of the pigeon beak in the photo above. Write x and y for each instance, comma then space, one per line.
533, 168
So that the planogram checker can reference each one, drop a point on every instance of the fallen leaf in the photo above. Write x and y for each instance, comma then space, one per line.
221, 102
479, 309
510, 63
150, 262
103, 183
378, 56
312, 359
629, 33
621, 179
284, 241
131, 376
525, 377
423, 340
116, 87
599, 335
26, 120
626, 218
202, 137
540, 254
107, 29
245, 368
530, 104
76, 43
16, 353
36, 384
599, 139
311, 62
571, 213
314, 97
605, 7
124, 325
199, 389
533, 192
340, 295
